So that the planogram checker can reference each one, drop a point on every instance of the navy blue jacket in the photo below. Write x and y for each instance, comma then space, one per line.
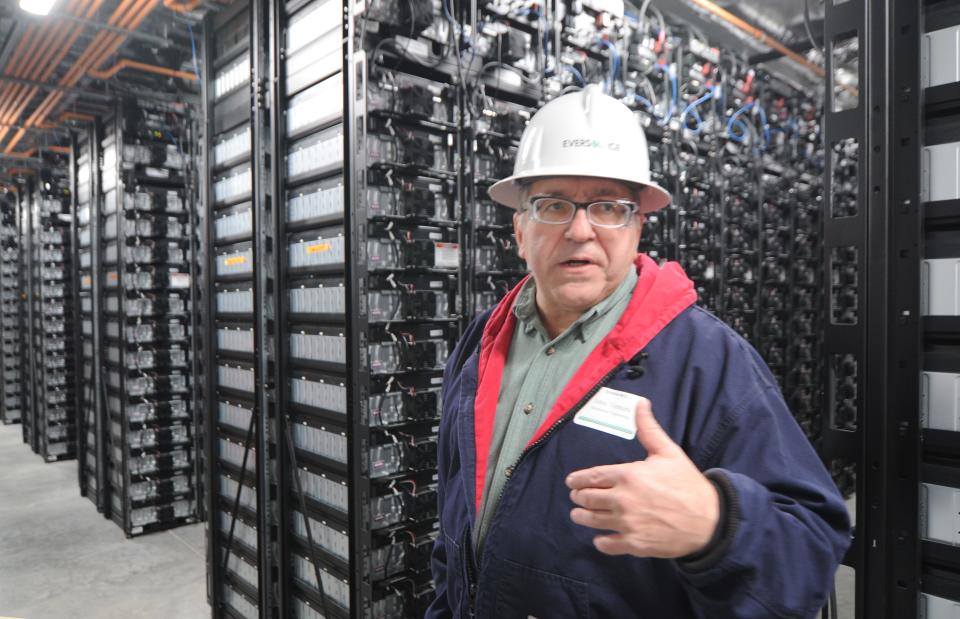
787, 526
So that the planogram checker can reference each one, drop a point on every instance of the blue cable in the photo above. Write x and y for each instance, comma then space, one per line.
766, 127
614, 62
743, 127
692, 107
193, 48
672, 74
576, 74
647, 103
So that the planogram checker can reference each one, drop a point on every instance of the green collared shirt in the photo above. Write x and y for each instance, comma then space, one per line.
537, 370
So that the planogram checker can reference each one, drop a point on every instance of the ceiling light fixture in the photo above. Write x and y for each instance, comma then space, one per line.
37, 7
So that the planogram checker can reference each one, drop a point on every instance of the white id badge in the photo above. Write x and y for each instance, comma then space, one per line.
610, 411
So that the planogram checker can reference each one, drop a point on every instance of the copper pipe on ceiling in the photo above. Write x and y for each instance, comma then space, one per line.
17, 54
66, 47
127, 63
129, 12
183, 7
9, 98
52, 36
42, 38
121, 17
78, 68
758, 34
128, 16
112, 42
23, 154
40, 68
76, 116
63, 150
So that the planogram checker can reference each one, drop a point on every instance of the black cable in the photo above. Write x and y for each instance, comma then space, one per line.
236, 500
806, 24
303, 511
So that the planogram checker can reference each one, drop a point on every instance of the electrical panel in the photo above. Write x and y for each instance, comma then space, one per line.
50, 412
11, 370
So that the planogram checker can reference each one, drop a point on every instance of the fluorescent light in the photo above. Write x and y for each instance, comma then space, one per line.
37, 7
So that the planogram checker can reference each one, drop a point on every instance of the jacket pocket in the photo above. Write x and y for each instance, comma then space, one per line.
525, 592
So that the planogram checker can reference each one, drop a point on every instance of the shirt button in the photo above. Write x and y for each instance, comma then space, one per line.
551, 350
528, 408
508, 471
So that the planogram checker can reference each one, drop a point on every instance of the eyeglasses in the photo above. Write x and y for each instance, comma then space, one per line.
602, 213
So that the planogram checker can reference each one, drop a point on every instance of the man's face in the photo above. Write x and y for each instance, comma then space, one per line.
576, 265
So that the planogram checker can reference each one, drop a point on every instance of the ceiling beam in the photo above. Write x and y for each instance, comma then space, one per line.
133, 34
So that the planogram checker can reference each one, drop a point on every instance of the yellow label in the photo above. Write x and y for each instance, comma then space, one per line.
234, 260
313, 249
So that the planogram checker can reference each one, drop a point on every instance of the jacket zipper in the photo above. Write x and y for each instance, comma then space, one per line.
471, 577
550, 431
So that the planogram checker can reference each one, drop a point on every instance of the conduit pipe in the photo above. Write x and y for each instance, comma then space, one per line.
181, 7
76, 116
127, 63
758, 34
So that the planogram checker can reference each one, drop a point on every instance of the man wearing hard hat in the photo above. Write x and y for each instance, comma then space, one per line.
608, 448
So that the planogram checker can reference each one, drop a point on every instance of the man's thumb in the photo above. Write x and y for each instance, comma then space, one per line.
653, 438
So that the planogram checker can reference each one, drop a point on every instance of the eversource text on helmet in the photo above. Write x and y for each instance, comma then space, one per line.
587, 143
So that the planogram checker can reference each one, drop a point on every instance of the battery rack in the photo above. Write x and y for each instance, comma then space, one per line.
50, 415
349, 238
241, 528
91, 438
935, 139
11, 376
144, 247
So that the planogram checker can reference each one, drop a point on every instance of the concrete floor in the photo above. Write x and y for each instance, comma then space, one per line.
60, 558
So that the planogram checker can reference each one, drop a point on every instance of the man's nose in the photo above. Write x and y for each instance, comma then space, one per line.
580, 229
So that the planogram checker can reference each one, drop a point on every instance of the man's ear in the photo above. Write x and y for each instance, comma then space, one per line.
518, 233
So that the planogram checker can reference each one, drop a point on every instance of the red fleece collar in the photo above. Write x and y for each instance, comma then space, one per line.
660, 295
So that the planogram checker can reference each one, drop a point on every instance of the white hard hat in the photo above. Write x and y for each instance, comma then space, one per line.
584, 133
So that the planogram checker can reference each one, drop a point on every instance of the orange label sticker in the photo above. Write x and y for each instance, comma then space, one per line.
86, 280
313, 249
112, 275
234, 260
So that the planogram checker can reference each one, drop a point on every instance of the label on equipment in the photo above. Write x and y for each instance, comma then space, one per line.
319, 247
157, 172
610, 411
179, 280
234, 260
436, 284
446, 255
436, 332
